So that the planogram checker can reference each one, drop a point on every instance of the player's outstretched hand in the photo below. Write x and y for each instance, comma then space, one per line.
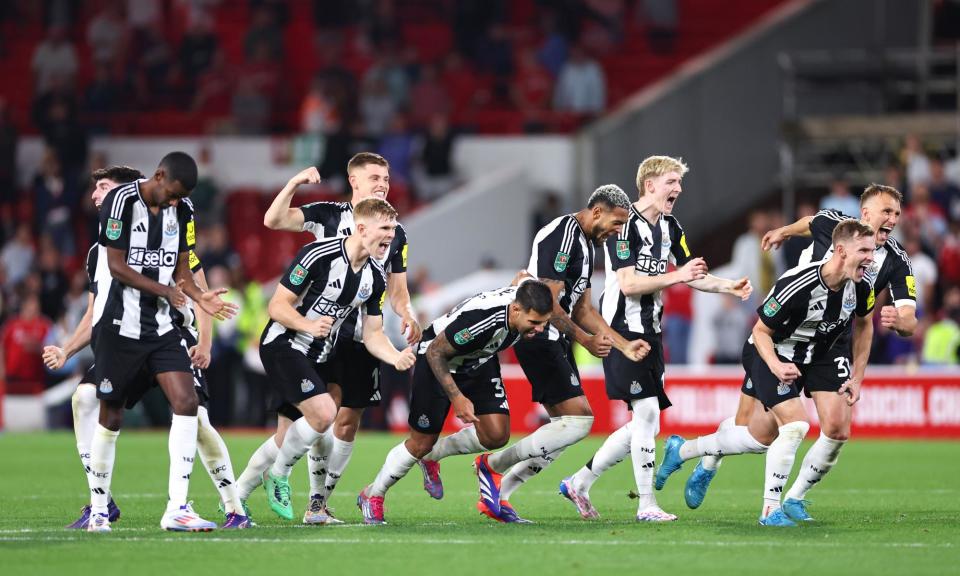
200, 356
742, 288
695, 269
321, 327
785, 372
463, 408
54, 357
773, 239
411, 329
637, 350
520, 276
599, 345
211, 303
889, 317
850, 389
307, 176
406, 360
175, 295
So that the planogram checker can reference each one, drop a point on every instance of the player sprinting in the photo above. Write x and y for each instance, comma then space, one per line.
457, 367
891, 269
562, 258
353, 371
143, 272
210, 445
325, 284
789, 350
636, 273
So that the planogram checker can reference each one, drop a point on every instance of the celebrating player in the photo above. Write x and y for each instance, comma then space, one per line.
326, 283
636, 264
457, 366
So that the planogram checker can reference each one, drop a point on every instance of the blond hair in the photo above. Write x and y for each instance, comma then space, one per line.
878, 189
850, 229
656, 166
374, 208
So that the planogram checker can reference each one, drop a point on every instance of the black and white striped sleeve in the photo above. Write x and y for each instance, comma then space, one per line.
471, 330
823, 223
791, 293
307, 265
116, 217
903, 285
554, 250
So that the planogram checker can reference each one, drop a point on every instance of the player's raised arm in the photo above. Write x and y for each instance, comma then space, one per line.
741, 288
774, 238
280, 216
590, 319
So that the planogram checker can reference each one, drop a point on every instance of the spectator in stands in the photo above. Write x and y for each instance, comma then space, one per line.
660, 18
214, 86
603, 25
341, 84
917, 163
943, 192
532, 86
197, 50
264, 30
397, 146
549, 209
942, 341
377, 107
9, 196
22, 337
251, 107
463, 86
54, 59
929, 219
495, 57
144, 14
893, 176
102, 97
53, 281
60, 12
436, 174
63, 132
948, 261
581, 87
216, 251
731, 326
206, 197
378, 24
553, 53
924, 273
317, 111
472, 19
428, 97
795, 245
55, 199
677, 321
107, 35
226, 360
389, 69
151, 63
840, 199
17, 256
749, 260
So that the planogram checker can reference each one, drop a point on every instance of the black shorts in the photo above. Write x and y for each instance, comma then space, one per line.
292, 376
123, 365
550, 368
429, 404
357, 372
824, 375
144, 381
628, 380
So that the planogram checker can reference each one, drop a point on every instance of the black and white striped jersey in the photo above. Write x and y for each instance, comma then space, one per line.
649, 248
806, 316
152, 244
561, 251
891, 266
329, 219
321, 275
476, 328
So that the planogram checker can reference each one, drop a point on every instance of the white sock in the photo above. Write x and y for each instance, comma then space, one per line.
216, 460
86, 411
780, 457
339, 458
300, 436
318, 460
523, 471
252, 476
399, 461
643, 447
464, 441
614, 449
726, 442
103, 451
819, 460
713, 462
182, 445
552, 436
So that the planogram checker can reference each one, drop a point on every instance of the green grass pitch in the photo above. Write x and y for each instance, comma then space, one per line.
887, 508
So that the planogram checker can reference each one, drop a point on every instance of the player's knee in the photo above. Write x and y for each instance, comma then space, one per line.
796, 430
420, 446
345, 430
577, 427
839, 431
84, 399
186, 403
111, 417
493, 439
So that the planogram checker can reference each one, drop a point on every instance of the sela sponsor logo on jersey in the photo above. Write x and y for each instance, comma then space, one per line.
623, 249
463, 336
651, 265
828, 327
306, 386
771, 307
298, 275
326, 307
561, 261
151, 258
114, 227
170, 228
